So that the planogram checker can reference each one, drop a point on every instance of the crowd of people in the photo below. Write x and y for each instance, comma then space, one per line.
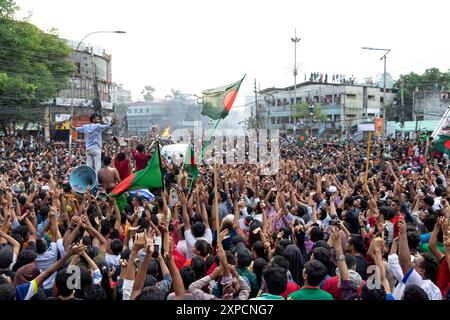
316, 230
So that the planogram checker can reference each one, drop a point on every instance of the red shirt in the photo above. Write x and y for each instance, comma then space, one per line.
394, 221
331, 286
291, 287
141, 160
123, 167
443, 277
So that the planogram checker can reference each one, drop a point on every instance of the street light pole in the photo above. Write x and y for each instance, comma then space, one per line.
295, 40
384, 91
73, 83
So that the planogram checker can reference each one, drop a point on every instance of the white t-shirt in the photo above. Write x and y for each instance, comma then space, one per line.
437, 203
190, 240
47, 259
112, 260
182, 247
413, 277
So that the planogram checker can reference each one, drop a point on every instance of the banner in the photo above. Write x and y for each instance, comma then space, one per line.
379, 123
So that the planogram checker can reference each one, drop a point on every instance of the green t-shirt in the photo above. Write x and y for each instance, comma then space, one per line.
267, 296
310, 293
439, 246
251, 277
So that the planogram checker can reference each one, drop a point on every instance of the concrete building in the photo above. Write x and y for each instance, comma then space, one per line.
92, 70
430, 104
163, 113
345, 105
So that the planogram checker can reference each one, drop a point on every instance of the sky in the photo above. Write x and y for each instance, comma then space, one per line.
200, 44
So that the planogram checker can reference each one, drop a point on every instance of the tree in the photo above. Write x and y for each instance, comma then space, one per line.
301, 111
34, 66
7, 9
431, 79
147, 93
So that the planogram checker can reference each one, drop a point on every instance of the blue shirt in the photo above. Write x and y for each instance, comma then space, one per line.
93, 133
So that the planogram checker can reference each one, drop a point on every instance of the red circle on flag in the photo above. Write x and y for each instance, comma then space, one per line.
447, 144
301, 138
229, 98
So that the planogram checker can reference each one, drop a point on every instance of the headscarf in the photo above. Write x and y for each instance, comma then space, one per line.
296, 263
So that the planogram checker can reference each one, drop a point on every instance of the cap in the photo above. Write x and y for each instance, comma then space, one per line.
332, 189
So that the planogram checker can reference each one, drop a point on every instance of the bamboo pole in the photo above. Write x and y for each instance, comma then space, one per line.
368, 158
216, 199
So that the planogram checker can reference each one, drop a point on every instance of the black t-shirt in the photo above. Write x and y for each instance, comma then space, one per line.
361, 267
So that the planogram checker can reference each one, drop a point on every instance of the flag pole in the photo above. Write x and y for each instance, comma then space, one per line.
207, 142
216, 198
368, 158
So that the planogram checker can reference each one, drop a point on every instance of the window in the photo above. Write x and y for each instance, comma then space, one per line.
351, 96
78, 67
371, 98
337, 117
284, 120
148, 110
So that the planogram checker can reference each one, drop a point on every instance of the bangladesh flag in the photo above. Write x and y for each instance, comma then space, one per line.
217, 102
301, 139
151, 177
189, 162
442, 144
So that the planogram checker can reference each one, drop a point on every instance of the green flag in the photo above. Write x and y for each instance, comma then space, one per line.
189, 162
151, 177
442, 144
217, 102
301, 139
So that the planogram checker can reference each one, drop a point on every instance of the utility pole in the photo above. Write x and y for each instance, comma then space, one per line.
414, 110
402, 103
295, 40
256, 104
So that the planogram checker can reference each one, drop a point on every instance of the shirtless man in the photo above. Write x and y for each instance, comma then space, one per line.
108, 176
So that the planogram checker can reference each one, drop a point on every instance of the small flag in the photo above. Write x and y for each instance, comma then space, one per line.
301, 139
442, 144
189, 162
217, 102
151, 177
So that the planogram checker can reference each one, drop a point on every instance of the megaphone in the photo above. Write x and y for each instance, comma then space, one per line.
82, 177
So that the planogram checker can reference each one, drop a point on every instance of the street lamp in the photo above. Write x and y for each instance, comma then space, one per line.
73, 82
384, 88
295, 40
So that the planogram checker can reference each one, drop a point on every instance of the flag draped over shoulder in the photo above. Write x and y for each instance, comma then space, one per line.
442, 144
217, 102
151, 177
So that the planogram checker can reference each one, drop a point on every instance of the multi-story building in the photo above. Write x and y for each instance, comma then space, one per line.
163, 113
121, 99
430, 104
92, 72
344, 104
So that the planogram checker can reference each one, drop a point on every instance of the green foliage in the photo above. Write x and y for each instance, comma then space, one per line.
147, 93
431, 79
33, 68
301, 111
7, 9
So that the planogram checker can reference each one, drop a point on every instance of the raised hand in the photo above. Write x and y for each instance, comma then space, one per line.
139, 242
